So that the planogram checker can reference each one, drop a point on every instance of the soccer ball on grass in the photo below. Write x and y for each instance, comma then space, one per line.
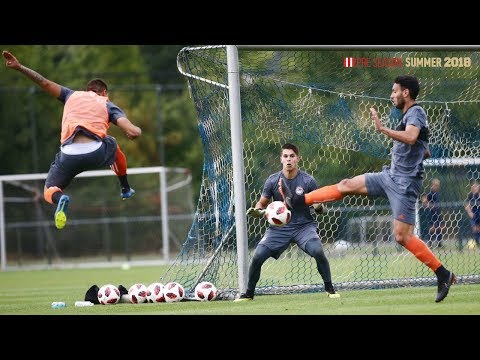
173, 292
277, 213
156, 293
108, 295
138, 293
205, 291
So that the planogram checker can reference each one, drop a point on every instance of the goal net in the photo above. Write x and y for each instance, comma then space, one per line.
319, 99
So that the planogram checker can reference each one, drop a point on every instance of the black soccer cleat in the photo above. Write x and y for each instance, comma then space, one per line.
123, 290
331, 293
244, 297
92, 294
444, 286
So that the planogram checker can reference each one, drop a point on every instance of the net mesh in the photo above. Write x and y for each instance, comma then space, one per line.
310, 97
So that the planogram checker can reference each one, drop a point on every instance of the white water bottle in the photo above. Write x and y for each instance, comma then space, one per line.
83, 303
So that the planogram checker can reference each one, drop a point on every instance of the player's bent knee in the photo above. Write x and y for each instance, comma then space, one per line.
314, 248
48, 193
348, 185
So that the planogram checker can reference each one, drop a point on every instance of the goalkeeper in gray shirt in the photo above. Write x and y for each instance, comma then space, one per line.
302, 228
401, 182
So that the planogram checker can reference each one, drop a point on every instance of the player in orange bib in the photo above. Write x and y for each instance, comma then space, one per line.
84, 143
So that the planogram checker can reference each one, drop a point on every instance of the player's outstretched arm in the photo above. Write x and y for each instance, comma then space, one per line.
47, 85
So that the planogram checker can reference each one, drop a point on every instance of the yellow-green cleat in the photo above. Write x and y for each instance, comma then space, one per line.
333, 296
61, 212
331, 293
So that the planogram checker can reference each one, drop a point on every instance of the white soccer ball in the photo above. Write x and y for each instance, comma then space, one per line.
156, 293
277, 213
173, 292
341, 246
471, 244
138, 293
205, 291
108, 295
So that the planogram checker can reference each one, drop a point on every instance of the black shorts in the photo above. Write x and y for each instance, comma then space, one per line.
66, 167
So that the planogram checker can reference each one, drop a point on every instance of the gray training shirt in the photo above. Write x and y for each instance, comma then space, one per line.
407, 160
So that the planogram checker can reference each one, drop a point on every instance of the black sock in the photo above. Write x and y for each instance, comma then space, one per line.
442, 272
124, 183
328, 285
56, 196
250, 293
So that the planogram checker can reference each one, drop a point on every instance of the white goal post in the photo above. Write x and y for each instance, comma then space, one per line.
164, 189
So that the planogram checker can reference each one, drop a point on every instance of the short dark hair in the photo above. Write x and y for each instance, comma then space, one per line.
290, 147
97, 85
409, 82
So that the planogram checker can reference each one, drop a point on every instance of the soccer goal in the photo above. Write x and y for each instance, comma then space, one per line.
102, 230
252, 99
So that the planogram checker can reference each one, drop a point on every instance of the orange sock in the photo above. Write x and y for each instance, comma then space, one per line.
48, 193
421, 251
120, 164
324, 194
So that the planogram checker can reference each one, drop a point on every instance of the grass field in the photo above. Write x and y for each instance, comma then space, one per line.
32, 292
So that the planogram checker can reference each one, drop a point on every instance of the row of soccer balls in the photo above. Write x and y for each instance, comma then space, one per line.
156, 292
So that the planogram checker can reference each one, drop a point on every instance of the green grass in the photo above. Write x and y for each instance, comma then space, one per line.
32, 292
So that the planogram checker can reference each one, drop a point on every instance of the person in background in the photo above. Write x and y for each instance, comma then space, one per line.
472, 206
84, 143
436, 227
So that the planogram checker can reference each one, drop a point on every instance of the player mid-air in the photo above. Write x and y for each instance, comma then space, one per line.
84, 143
